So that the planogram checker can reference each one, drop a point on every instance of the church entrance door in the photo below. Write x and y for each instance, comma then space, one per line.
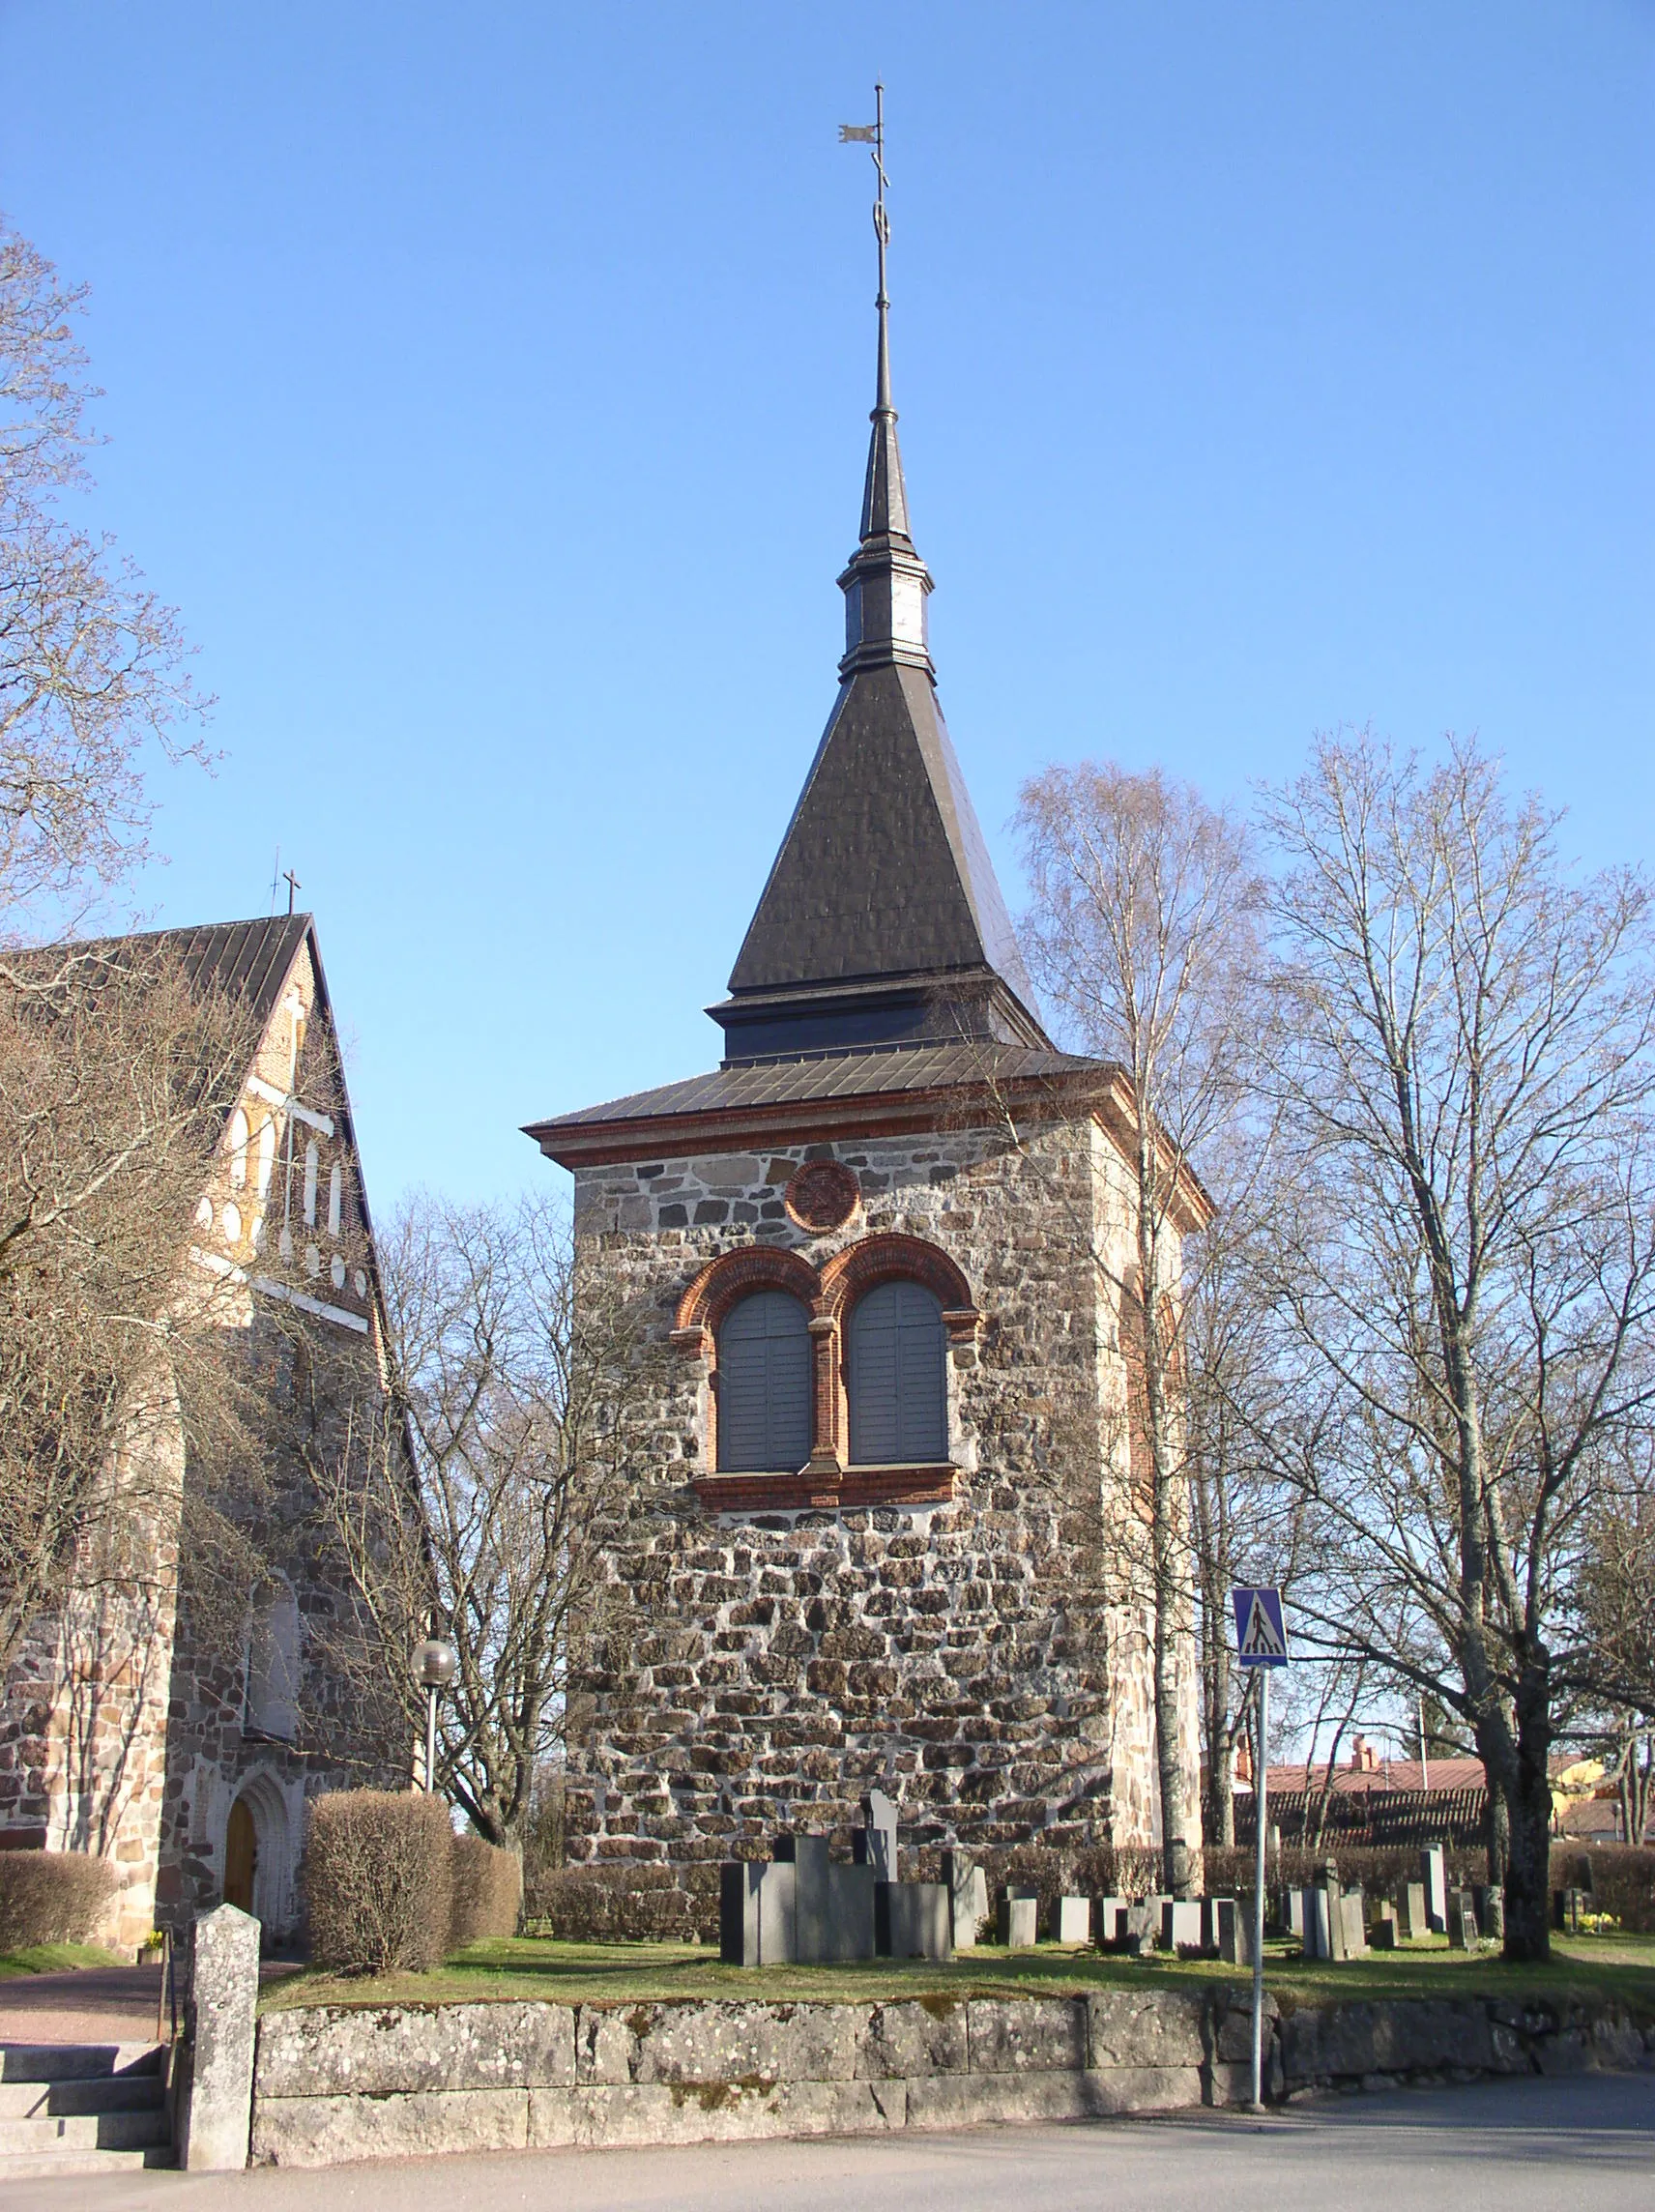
241, 1856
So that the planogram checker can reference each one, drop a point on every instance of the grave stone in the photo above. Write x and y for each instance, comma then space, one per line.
1019, 1911
1434, 1874
849, 1913
1227, 1928
1330, 1916
1461, 1921
1354, 1923
1144, 1916
756, 1913
1383, 1933
1317, 1925
1108, 1920
1181, 1922
1566, 1909
1410, 1915
968, 1898
1071, 1920
910, 1919
807, 1855
874, 1840
1292, 1917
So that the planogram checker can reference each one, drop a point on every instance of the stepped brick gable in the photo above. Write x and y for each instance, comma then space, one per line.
882, 1532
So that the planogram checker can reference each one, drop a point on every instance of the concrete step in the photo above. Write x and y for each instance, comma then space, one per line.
85, 2130
77, 2061
38, 2165
101, 2093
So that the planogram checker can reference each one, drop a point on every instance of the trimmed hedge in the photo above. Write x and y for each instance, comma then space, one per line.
487, 1892
51, 1896
378, 1878
1622, 1879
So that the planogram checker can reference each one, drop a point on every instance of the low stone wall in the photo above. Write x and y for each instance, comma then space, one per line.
333, 2085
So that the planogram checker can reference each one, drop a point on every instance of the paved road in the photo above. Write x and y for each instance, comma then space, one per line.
1526, 2146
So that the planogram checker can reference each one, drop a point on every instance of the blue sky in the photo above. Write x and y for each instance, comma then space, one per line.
488, 387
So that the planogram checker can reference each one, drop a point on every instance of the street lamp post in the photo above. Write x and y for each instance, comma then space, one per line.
434, 1665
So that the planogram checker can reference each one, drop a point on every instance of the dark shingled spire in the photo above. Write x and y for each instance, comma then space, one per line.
882, 922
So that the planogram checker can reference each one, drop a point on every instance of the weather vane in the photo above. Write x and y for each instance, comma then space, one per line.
872, 134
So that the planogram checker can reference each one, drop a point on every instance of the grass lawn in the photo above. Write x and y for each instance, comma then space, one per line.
56, 1959
530, 1968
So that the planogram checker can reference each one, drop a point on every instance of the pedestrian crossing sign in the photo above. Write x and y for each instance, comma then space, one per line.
1261, 1633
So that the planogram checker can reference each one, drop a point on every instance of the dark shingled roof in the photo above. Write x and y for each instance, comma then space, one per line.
883, 870
846, 1079
245, 959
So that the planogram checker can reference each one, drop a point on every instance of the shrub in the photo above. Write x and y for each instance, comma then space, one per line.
627, 1904
487, 1892
379, 1881
51, 1896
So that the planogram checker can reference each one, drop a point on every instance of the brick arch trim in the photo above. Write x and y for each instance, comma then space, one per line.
875, 1260
735, 1275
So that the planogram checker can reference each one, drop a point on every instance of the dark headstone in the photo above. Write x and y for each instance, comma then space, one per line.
756, 1914
1018, 1918
910, 1919
1383, 1932
1227, 1928
1461, 1921
807, 1855
850, 1918
874, 1840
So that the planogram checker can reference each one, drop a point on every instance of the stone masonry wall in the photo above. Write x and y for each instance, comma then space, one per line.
387, 2081
770, 1668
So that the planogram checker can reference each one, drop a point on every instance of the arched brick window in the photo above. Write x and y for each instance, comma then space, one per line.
896, 1378
763, 1385
764, 1450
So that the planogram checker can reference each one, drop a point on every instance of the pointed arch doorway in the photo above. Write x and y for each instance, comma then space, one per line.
241, 1856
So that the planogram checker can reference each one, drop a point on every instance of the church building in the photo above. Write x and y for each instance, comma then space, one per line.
885, 1530
180, 1753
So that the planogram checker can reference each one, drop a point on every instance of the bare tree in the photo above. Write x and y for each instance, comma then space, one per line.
91, 664
116, 1081
1140, 935
1465, 1061
465, 1504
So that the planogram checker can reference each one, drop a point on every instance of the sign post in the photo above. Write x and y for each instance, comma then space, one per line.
1262, 1641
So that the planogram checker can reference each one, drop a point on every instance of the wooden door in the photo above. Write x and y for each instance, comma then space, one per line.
241, 1856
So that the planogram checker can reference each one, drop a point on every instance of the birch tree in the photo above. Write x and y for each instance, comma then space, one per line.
1140, 935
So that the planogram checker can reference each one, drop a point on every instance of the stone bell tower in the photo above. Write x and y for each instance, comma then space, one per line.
882, 1535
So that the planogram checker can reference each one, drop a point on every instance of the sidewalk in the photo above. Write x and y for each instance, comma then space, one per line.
92, 2004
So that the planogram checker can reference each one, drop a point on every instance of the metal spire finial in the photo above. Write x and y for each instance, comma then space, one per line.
872, 134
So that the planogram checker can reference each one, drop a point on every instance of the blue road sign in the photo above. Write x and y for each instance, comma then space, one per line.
1261, 1633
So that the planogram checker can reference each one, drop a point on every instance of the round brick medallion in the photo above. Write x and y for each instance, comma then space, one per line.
821, 1196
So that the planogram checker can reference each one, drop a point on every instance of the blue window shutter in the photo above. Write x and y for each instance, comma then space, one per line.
763, 1386
898, 1388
